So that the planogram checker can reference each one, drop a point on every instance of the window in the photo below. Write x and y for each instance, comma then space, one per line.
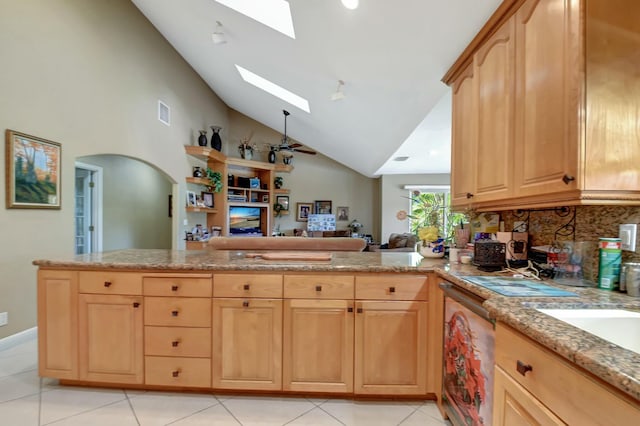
431, 206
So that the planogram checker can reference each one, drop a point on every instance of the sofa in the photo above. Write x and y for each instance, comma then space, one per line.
398, 242
287, 243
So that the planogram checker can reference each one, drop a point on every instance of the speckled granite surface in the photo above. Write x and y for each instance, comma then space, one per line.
615, 365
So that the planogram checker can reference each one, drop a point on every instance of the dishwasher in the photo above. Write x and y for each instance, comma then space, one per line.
468, 358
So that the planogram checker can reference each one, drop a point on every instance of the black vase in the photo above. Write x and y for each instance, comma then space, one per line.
272, 156
202, 139
216, 142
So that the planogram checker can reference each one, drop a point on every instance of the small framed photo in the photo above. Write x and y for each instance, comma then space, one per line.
322, 207
192, 200
283, 200
33, 172
343, 213
265, 198
303, 210
207, 199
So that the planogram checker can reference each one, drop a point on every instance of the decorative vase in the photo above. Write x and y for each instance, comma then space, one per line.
287, 159
278, 181
197, 172
216, 142
433, 249
272, 156
202, 139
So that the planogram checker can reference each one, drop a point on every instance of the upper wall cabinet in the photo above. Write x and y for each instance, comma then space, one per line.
545, 103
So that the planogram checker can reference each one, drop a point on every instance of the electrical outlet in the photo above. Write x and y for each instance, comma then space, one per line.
628, 236
4, 318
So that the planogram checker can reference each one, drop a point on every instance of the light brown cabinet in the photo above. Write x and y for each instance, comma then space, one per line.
554, 95
527, 387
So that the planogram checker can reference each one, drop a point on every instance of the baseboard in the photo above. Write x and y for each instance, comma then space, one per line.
18, 338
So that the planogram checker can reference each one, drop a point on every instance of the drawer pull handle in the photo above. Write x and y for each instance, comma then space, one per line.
392, 289
523, 368
174, 288
318, 288
174, 313
175, 343
246, 287
107, 283
350, 309
245, 304
568, 178
175, 373
469, 195
136, 304
359, 310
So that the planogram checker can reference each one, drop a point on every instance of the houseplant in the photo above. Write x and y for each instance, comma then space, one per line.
215, 180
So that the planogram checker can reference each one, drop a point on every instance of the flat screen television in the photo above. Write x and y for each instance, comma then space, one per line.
245, 220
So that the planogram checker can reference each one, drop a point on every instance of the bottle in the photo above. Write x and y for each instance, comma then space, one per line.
202, 139
609, 263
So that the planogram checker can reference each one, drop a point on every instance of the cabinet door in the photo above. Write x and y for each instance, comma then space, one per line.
514, 406
57, 324
318, 345
111, 345
463, 139
247, 344
547, 76
390, 348
494, 75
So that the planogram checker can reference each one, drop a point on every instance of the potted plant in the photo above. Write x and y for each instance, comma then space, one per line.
215, 180
355, 226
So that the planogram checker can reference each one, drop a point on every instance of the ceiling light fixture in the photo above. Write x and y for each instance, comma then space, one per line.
338, 93
350, 4
218, 34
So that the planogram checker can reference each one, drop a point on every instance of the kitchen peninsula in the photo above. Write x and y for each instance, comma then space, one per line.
162, 319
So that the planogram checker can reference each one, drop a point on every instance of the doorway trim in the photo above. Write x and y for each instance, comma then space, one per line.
96, 203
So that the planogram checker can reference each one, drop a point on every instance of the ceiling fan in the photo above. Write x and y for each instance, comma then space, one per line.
285, 145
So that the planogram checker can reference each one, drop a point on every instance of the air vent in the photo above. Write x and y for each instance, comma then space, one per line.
164, 113
401, 159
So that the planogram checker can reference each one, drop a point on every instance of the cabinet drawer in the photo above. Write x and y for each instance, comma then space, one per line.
180, 286
571, 394
247, 285
175, 371
392, 287
177, 311
318, 287
110, 282
177, 341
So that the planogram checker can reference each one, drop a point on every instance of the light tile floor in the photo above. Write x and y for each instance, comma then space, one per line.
27, 400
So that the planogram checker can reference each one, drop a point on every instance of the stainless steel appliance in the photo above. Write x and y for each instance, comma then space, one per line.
468, 358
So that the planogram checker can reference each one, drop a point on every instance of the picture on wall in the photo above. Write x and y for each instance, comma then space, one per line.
343, 213
33, 172
207, 198
303, 210
283, 200
191, 199
322, 207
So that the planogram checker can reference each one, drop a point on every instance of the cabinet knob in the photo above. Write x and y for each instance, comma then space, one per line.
469, 195
107, 283
174, 288
175, 373
523, 368
175, 343
245, 304
359, 310
568, 178
174, 313
318, 288
246, 286
350, 309
136, 304
392, 289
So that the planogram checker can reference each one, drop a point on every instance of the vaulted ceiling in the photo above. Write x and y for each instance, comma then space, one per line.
391, 56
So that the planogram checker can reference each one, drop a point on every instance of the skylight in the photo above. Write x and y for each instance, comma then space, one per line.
272, 13
274, 89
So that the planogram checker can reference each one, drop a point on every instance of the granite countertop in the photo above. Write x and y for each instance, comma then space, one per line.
222, 260
613, 364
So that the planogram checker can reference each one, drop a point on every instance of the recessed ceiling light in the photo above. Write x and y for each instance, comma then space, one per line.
274, 89
401, 158
272, 13
350, 4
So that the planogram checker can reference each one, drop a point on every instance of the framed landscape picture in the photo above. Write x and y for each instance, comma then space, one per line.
322, 207
32, 172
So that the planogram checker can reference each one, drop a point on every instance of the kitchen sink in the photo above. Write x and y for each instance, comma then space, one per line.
617, 326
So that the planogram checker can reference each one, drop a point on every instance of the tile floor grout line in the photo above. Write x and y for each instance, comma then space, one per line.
86, 411
196, 412
133, 411
303, 414
229, 411
410, 414
337, 419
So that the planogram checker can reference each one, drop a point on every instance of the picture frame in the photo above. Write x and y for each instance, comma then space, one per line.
33, 172
302, 211
191, 199
283, 200
207, 199
265, 198
322, 207
343, 214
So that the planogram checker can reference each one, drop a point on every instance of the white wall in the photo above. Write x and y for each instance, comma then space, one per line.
394, 198
88, 74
